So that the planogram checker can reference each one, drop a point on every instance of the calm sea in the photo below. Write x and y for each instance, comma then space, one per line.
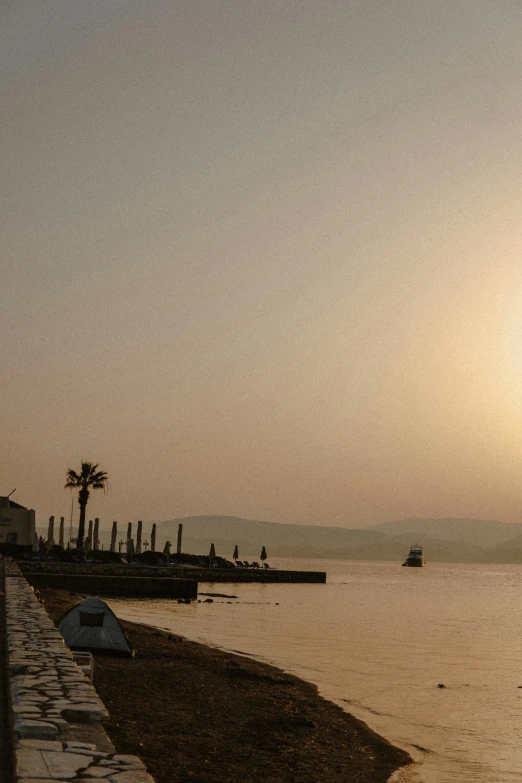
378, 639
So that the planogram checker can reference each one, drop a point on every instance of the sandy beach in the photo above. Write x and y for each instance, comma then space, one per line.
195, 714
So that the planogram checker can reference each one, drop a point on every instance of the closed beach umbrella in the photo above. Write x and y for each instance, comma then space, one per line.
263, 554
236, 552
114, 534
212, 553
35, 543
166, 551
50, 533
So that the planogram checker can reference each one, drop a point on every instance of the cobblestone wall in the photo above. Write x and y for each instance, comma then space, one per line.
56, 712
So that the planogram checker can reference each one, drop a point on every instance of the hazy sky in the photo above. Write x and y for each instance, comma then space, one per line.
263, 258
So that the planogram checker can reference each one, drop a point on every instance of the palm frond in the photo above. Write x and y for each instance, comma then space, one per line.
89, 476
73, 479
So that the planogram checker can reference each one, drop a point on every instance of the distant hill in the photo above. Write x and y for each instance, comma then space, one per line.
508, 552
435, 550
443, 540
476, 531
280, 539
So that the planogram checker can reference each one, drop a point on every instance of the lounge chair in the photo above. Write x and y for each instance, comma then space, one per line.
239, 564
254, 565
265, 565
246, 563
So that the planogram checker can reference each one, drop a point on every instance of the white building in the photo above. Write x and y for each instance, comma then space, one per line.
17, 524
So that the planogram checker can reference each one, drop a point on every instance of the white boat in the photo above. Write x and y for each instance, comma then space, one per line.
415, 558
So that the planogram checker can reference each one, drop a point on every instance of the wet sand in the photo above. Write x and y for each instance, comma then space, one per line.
195, 714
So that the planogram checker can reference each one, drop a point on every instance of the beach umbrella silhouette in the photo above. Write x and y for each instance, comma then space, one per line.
236, 552
212, 553
166, 551
263, 555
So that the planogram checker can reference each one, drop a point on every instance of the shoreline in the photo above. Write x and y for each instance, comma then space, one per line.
199, 714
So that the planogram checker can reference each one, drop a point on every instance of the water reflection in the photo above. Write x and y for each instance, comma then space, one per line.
378, 639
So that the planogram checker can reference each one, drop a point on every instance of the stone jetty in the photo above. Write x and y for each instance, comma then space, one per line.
152, 581
56, 713
111, 580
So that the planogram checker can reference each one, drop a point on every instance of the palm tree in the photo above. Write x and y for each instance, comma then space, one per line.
89, 476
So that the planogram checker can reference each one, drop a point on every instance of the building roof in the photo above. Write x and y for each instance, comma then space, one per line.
9, 503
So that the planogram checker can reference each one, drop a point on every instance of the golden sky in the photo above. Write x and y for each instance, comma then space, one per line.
263, 259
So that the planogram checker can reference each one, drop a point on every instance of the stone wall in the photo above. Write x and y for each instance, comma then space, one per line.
108, 585
265, 575
56, 713
100, 569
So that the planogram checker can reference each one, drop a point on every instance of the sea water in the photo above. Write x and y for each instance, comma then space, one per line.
379, 640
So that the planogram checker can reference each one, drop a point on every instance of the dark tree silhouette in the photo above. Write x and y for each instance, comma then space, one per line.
88, 478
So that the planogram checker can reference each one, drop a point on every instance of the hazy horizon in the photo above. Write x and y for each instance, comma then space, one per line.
105, 524
443, 540
263, 260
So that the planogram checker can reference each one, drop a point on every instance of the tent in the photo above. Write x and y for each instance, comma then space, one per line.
92, 626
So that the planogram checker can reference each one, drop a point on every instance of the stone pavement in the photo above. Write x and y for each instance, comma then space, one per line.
56, 712
50, 760
6, 745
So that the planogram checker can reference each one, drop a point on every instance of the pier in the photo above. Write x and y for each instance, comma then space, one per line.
109, 580
153, 581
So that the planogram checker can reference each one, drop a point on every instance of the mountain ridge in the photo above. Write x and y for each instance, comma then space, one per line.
446, 539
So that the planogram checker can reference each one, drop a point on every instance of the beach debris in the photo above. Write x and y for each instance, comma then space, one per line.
441, 685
